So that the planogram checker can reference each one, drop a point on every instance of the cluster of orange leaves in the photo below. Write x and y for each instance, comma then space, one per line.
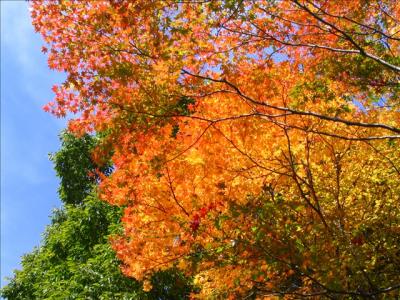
277, 173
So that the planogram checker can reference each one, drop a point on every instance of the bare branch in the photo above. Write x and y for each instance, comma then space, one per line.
294, 111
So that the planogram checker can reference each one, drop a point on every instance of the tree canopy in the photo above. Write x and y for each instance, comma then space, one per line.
258, 139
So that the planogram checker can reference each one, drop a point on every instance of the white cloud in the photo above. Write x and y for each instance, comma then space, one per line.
16, 30
21, 45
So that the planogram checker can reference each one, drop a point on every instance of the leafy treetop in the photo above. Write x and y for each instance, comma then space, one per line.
75, 259
254, 138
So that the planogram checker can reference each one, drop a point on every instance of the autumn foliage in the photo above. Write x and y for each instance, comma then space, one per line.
255, 144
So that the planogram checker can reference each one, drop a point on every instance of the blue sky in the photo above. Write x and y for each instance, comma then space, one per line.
28, 181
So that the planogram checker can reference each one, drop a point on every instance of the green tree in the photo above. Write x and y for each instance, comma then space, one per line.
75, 167
75, 259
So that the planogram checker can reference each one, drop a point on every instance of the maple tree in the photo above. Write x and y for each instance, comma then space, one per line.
258, 139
